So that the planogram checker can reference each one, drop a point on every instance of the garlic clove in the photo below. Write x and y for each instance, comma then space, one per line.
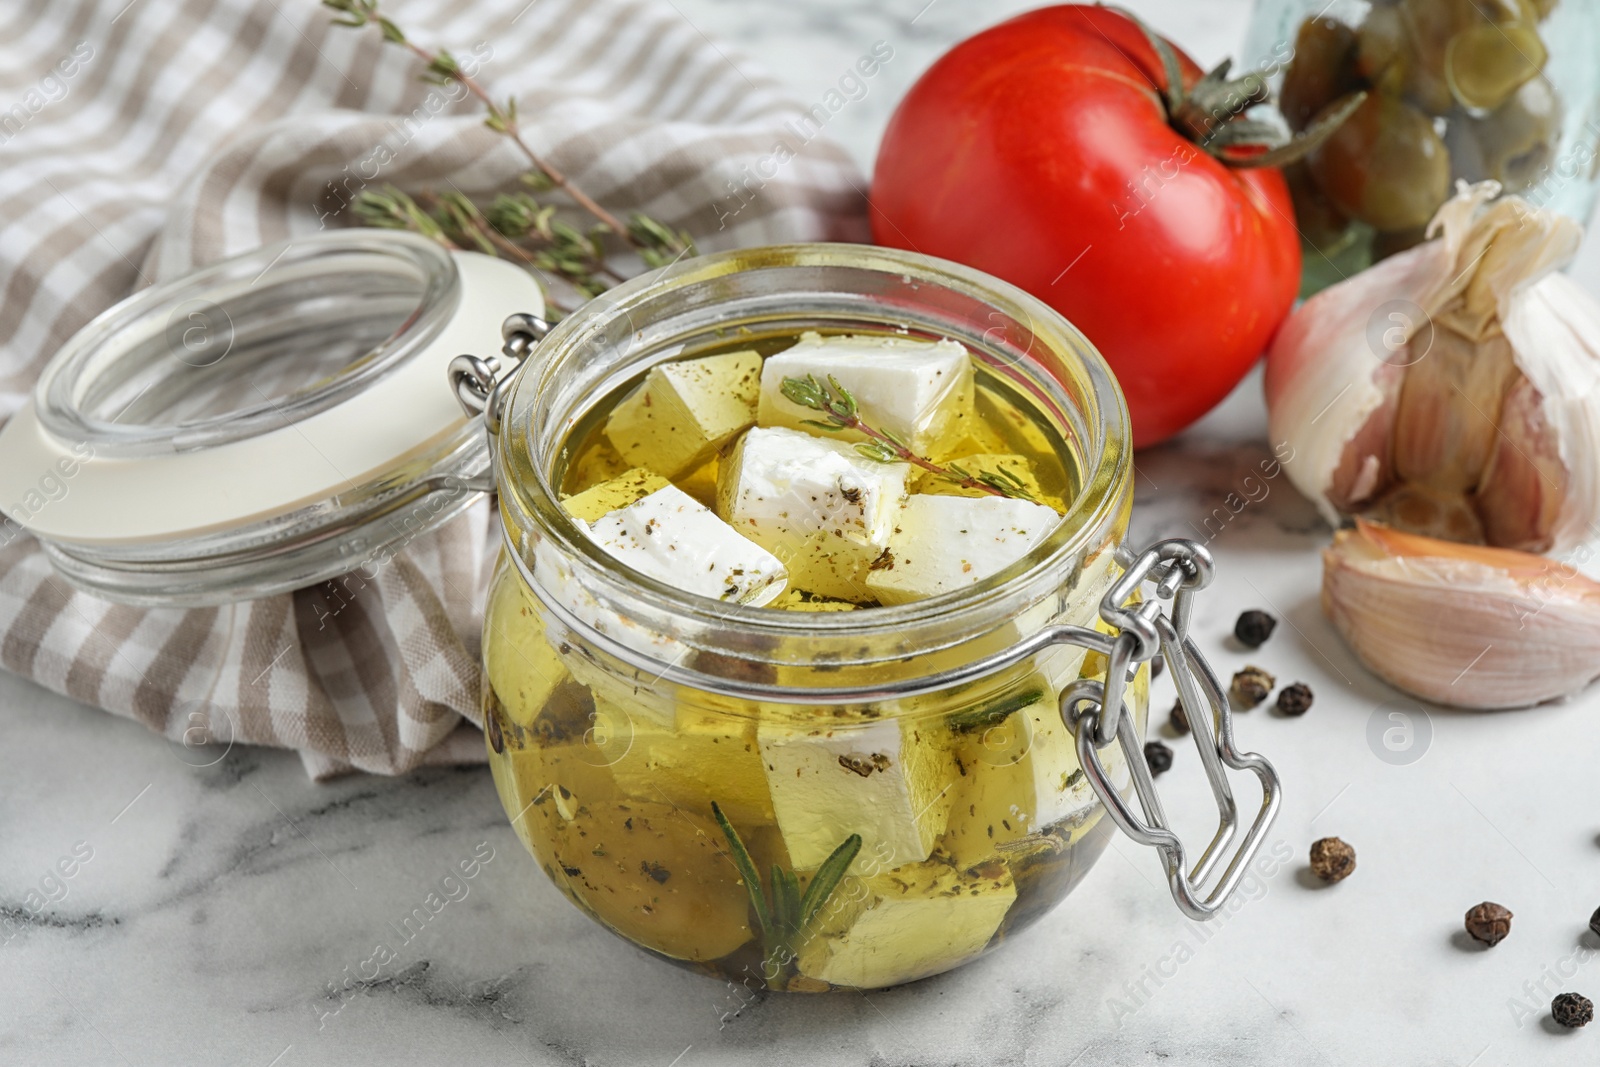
1430, 512
1445, 429
1554, 326
1365, 470
1525, 483
1453, 389
1330, 400
1462, 625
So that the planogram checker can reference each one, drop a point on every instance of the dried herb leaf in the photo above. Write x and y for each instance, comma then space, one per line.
827, 879
993, 713
884, 446
747, 870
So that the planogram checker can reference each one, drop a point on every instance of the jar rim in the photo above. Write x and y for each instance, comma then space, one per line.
186, 491
539, 416
188, 319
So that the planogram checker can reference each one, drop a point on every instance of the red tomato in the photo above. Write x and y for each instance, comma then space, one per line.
1039, 151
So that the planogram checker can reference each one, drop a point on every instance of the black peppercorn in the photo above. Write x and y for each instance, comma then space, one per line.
1250, 687
1572, 1010
1254, 627
1332, 860
1594, 922
1178, 719
1295, 699
1157, 665
1158, 756
1489, 923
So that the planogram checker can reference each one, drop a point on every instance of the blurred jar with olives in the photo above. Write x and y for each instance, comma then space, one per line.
1456, 90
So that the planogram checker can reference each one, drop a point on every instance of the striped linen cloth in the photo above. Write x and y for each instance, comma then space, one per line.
140, 139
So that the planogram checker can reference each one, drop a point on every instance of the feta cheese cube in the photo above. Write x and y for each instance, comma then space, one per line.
906, 923
881, 780
599, 463
675, 539
941, 543
1020, 777
624, 696
972, 434
522, 669
575, 603
598, 501
684, 411
820, 506
916, 390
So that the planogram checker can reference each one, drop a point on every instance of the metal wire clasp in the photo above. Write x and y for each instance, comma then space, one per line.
1096, 713
478, 383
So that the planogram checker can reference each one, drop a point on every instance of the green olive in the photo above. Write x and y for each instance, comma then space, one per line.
1484, 65
1321, 225
652, 872
1384, 53
1514, 144
1322, 71
1430, 26
1385, 245
1385, 165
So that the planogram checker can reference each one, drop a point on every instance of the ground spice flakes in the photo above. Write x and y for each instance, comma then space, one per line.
1332, 860
1489, 922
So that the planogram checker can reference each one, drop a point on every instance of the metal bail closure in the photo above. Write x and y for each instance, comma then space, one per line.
478, 384
1096, 713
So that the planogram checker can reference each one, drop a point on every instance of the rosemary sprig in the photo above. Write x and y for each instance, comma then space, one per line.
655, 243
992, 714
784, 921
844, 413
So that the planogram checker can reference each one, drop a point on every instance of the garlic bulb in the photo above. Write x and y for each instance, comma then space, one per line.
1453, 389
1462, 625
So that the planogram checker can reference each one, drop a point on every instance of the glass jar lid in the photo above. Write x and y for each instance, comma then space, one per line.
261, 423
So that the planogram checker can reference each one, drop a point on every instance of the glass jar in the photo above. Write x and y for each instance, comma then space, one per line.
790, 800
1459, 90
811, 801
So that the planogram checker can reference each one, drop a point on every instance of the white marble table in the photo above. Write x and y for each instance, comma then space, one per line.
220, 904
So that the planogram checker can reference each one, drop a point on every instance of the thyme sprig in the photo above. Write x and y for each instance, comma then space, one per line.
514, 226
459, 222
844, 413
784, 921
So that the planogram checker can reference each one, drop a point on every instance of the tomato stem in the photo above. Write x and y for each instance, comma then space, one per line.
1212, 112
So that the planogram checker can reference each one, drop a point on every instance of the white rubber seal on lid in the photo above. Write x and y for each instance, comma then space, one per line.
72, 470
